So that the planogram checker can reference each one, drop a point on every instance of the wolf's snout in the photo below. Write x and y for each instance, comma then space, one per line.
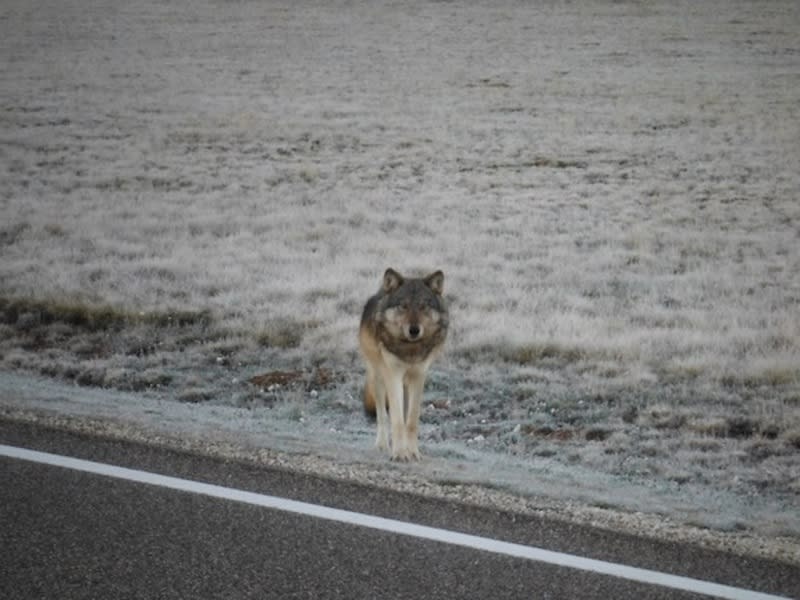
414, 331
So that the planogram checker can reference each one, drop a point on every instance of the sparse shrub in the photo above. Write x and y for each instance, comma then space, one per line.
154, 378
293, 412
770, 431
705, 445
195, 395
94, 317
17, 359
597, 434
319, 294
760, 450
77, 314
650, 451
778, 376
545, 452
772, 376
118, 378
792, 437
666, 418
55, 230
741, 427
88, 347
711, 426
91, 376
9, 235
533, 353
630, 414
735, 427
180, 318
281, 334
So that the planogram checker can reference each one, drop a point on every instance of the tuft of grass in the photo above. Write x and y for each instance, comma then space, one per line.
55, 230
530, 354
180, 318
151, 378
710, 426
735, 427
42, 312
195, 395
741, 427
320, 294
597, 434
282, 333
558, 163
705, 445
792, 437
777, 376
770, 376
680, 371
93, 317
10, 234
665, 417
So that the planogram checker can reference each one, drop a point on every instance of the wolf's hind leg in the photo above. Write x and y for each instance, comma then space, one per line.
382, 437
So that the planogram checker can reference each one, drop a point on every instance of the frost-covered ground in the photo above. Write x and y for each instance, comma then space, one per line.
197, 193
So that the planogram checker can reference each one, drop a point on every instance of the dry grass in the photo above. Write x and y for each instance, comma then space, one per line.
28, 313
650, 222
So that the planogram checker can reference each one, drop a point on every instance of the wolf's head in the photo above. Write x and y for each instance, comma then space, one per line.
413, 309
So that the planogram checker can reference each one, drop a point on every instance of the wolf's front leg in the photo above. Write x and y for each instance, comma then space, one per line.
416, 383
393, 382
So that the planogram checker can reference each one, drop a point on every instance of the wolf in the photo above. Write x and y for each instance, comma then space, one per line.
403, 329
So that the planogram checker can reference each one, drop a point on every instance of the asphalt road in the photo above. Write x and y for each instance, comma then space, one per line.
70, 534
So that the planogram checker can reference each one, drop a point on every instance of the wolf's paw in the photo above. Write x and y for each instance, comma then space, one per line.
405, 454
413, 452
381, 443
382, 438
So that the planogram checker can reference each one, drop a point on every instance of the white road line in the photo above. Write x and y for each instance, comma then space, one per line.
393, 526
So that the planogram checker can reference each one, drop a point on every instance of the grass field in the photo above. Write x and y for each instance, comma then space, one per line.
195, 193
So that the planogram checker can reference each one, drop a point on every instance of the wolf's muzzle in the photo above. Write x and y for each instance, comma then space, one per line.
413, 332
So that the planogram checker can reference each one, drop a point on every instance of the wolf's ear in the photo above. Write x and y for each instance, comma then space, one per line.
435, 281
391, 280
